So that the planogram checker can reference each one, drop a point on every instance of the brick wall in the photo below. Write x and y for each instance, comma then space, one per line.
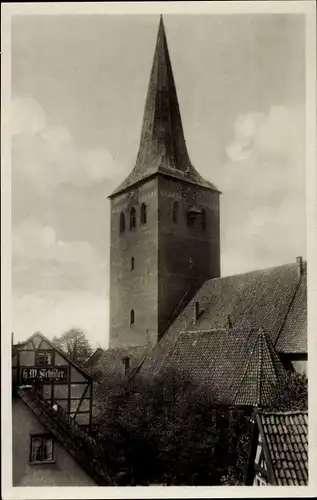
134, 289
169, 258
187, 255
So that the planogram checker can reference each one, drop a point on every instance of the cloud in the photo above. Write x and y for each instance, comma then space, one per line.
43, 262
48, 156
57, 285
263, 184
54, 313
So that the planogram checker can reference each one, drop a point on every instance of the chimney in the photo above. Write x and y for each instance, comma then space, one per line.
229, 321
196, 312
299, 262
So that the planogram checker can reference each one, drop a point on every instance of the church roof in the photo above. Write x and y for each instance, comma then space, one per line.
108, 363
162, 147
285, 437
262, 299
240, 367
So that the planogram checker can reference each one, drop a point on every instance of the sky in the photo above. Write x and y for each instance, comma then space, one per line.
78, 92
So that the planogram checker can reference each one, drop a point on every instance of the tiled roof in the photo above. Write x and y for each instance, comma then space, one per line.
162, 144
293, 336
253, 300
238, 367
109, 362
286, 438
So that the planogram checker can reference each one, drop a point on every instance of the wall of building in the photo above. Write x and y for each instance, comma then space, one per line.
170, 259
187, 255
134, 289
300, 366
64, 472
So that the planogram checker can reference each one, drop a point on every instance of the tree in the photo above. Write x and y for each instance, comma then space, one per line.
168, 431
75, 344
292, 394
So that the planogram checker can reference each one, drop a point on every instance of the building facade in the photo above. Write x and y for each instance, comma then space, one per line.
51, 418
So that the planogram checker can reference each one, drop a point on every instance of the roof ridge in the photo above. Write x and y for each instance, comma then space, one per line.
279, 412
289, 308
252, 272
245, 370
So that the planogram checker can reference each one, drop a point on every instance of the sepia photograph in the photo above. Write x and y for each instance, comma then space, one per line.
158, 193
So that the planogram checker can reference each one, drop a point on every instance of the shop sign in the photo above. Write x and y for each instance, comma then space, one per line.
52, 373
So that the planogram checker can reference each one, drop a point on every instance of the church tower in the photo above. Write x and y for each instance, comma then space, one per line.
164, 221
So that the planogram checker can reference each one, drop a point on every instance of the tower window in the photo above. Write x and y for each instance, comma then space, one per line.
203, 220
132, 218
132, 317
122, 222
190, 263
126, 365
132, 263
175, 212
143, 214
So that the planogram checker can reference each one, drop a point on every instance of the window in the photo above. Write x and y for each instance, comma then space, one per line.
132, 317
122, 222
132, 218
41, 449
203, 220
132, 263
43, 358
126, 365
191, 219
190, 263
143, 214
175, 212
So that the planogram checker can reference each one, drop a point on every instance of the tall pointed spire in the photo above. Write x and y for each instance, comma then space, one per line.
162, 144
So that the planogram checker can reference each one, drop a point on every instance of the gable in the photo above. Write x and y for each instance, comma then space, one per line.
236, 366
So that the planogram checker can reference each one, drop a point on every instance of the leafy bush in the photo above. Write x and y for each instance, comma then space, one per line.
293, 394
169, 431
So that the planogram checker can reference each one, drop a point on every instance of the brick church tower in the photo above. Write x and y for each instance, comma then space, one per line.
164, 221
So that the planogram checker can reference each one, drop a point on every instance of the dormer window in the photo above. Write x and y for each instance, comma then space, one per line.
143, 214
132, 218
175, 212
122, 222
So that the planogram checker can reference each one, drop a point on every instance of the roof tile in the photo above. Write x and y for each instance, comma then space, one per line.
289, 466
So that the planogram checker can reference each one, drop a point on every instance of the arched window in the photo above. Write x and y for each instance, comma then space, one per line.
132, 263
143, 213
132, 317
122, 222
132, 218
203, 219
175, 212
